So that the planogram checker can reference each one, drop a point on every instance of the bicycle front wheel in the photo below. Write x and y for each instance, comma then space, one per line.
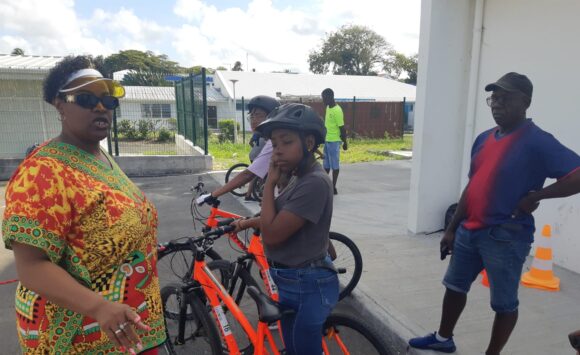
231, 174
348, 261
200, 334
343, 334
175, 265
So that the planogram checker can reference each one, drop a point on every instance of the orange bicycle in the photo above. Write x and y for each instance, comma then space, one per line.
190, 328
344, 252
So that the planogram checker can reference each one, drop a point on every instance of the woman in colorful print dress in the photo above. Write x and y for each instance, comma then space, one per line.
83, 236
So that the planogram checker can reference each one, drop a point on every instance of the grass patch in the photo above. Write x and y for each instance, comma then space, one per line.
363, 150
227, 154
359, 150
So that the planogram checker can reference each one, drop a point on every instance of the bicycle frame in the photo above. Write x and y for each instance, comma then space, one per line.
255, 249
215, 292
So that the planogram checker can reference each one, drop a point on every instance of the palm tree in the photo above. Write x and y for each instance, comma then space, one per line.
17, 51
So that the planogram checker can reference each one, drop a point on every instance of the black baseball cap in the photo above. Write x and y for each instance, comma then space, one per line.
513, 82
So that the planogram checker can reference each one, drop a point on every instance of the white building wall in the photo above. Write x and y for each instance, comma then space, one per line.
534, 37
440, 110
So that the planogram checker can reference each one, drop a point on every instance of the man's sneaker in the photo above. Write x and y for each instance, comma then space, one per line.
430, 342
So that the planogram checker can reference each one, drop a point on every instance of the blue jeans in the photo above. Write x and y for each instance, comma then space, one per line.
494, 249
331, 156
312, 293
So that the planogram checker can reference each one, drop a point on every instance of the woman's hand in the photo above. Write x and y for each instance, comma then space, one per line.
119, 322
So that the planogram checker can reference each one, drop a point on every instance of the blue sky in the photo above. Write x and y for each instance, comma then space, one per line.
265, 35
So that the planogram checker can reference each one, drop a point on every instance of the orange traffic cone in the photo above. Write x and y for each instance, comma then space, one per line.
541, 275
484, 280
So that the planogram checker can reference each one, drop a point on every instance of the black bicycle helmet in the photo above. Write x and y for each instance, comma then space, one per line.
264, 102
296, 117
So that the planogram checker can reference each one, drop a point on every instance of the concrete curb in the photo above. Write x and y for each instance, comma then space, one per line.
394, 327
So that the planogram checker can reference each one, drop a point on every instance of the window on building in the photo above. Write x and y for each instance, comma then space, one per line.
156, 110
212, 116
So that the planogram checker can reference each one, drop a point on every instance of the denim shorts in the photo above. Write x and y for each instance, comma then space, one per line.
312, 293
494, 249
331, 155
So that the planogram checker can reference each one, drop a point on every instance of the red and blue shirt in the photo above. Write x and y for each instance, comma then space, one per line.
505, 168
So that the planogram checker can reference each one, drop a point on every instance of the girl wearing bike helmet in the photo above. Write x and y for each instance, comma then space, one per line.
295, 226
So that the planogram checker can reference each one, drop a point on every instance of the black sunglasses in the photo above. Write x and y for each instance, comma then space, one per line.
90, 101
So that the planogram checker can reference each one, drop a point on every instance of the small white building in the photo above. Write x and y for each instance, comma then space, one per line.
465, 45
283, 85
155, 103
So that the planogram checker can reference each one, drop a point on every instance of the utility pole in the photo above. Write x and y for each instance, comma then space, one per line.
234, 81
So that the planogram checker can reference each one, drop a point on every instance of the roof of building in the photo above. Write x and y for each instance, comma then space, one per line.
163, 94
250, 84
28, 62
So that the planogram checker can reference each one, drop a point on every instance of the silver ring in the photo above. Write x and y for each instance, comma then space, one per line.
123, 325
118, 331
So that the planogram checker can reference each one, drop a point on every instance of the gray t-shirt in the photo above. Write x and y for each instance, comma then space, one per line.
310, 197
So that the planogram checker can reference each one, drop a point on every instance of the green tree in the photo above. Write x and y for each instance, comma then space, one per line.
140, 61
17, 51
221, 68
352, 50
237, 66
400, 64
145, 78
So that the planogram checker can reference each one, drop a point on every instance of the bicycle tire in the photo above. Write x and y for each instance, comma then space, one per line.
176, 264
349, 259
201, 333
258, 190
355, 335
231, 173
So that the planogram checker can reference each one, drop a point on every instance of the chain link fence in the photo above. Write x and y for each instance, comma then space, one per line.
145, 123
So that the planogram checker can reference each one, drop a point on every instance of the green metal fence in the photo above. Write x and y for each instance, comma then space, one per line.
191, 103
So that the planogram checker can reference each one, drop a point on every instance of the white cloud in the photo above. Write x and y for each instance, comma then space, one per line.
277, 39
272, 38
48, 27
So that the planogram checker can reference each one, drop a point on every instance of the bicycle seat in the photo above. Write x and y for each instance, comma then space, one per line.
268, 310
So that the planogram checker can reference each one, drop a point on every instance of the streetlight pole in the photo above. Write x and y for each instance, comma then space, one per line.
234, 81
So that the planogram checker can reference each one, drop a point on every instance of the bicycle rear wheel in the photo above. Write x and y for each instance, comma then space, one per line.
258, 190
348, 261
231, 174
201, 335
343, 334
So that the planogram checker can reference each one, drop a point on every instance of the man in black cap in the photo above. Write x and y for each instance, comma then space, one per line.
493, 226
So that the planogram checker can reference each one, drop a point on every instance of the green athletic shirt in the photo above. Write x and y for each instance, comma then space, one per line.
334, 119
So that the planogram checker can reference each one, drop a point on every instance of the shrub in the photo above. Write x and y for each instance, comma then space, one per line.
144, 127
126, 129
164, 135
227, 130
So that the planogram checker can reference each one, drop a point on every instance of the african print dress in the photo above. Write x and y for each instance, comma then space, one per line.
93, 222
